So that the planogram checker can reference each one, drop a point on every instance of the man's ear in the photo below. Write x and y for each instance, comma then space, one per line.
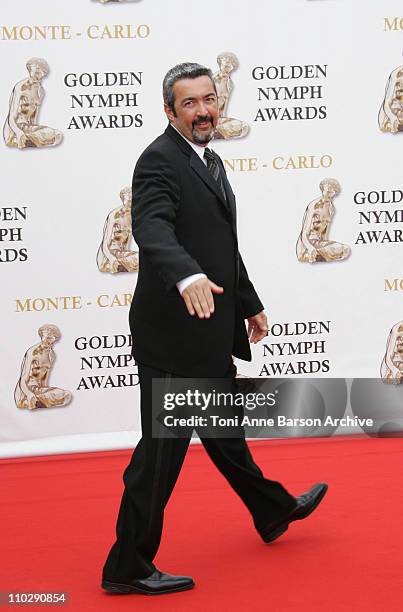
169, 113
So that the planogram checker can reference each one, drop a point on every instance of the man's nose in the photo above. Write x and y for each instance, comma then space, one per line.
202, 109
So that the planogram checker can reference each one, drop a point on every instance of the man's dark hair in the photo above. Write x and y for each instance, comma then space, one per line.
187, 70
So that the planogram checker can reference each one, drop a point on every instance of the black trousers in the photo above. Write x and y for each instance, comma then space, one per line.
151, 476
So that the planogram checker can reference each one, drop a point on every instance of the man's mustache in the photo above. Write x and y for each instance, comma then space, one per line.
202, 120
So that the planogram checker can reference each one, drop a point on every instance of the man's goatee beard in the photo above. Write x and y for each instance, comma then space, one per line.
202, 138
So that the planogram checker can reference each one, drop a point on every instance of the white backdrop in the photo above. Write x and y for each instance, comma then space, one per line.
66, 192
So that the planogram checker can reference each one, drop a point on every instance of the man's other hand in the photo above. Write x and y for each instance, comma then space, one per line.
199, 299
258, 327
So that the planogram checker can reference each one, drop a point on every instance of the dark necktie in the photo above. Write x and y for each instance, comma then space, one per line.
214, 169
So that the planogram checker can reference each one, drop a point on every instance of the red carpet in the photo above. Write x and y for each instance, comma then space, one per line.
58, 516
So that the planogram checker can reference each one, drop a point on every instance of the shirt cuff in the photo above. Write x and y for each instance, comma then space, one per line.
185, 282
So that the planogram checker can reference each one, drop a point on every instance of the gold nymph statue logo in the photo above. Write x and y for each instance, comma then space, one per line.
114, 254
227, 127
313, 243
392, 364
390, 117
22, 128
33, 389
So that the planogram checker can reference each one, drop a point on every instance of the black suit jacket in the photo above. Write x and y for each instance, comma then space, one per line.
183, 225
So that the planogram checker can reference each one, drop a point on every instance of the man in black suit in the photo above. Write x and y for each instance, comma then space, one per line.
187, 319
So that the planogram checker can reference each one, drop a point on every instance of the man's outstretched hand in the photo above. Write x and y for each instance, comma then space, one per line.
199, 299
258, 327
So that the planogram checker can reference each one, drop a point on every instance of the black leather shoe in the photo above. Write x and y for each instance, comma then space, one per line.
306, 504
156, 584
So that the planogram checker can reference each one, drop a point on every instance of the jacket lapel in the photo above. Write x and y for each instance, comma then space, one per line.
201, 170
227, 187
